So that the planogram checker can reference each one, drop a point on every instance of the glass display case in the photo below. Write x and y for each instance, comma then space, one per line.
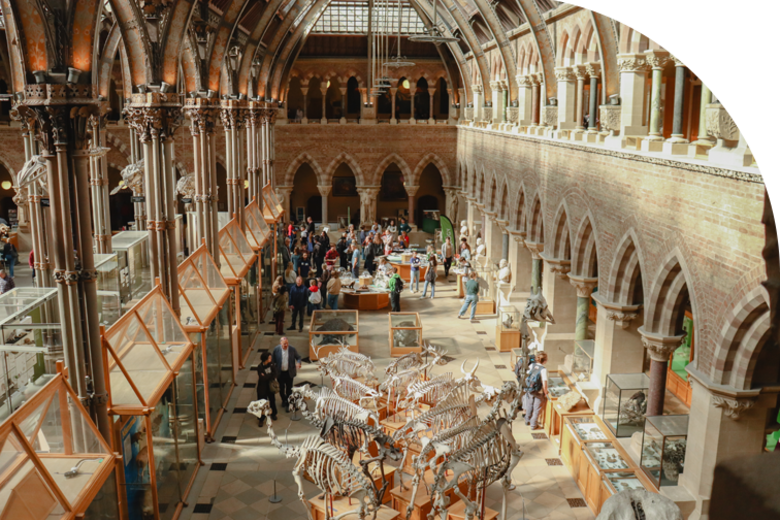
582, 366
598, 458
54, 463
250, 309
151, 393
617, 481
587, 428
257, 231
273, 202
109, 296
486, 277
508, 335
405, 333
557, 385
663, 448
29, 329
625, 403
132, 251
605, 456
579, 430
236, 253
202, 289
330, 330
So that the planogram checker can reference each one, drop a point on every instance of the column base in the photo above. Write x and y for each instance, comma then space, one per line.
324, 121
653, 143
678, 147
739, 155
343, 121
431, 121
577, 135
633, 142
393, 121
700, 147
305, 121
592, 135
412, 121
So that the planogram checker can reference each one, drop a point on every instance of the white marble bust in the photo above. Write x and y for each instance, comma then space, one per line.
480, 248
464, 229
504, 272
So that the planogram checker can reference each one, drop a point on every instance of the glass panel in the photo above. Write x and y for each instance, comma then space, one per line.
200, 384
49, 438
164, 449
625, 403
164, 328
213, 371
85, 440
510, 318
624, 480
104, 506
226, 351
186, 423
556, 385
663, 448
587, 429
26, 495
404, 320
29, 425
605, 455
135, 450
10, 451
208, 270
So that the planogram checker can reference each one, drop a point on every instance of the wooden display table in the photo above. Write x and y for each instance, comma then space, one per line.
571, 445
366, 300
422, 501
404, 327
342, 505
486, 307
554, 415
405, 272
458, 512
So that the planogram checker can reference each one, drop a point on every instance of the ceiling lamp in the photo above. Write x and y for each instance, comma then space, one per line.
6, 185
434, 35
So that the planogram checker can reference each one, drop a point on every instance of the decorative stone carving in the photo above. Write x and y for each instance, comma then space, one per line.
584, 286
733, 407
621, 318
368, 196
580, 71
512, 115
657, 60
720, 124
468, 114
324, 190
593, 69
660, 347
610, 118
523, 81
550, 116
564, 74
632, 63
411, 190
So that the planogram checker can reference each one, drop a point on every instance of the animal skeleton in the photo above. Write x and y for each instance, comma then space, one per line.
437, 388
346, 363
395, 383
352, 390
326, 466
329, 404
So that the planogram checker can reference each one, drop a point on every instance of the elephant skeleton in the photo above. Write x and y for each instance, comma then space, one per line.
327, 467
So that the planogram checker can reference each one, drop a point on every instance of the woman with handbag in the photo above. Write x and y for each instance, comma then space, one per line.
267, 384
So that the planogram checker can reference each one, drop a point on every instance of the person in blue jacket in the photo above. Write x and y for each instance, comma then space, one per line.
298, 300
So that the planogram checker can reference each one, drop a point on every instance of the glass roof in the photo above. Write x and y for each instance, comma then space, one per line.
351, 17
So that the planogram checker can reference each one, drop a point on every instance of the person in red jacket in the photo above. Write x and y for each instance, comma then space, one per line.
315, 297
331, 256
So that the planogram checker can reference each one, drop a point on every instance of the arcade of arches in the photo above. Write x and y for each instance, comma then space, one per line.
585, 155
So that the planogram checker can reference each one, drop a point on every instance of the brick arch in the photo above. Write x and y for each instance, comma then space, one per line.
663, 305
440, 165
584, 260
520, 215
481, 187
536, 223
626, 268
492, 195
561, 238
503, 200
387, 161
344, 157
304, 157
744, 333
118, 145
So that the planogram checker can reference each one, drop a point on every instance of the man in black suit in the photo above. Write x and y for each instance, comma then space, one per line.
287, 363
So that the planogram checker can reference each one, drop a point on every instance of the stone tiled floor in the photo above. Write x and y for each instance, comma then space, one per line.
241, 491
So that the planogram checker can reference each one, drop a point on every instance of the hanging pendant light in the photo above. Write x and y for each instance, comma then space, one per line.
398, 61
434, 35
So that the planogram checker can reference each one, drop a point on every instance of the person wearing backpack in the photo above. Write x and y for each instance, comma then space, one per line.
396, 285
536, 393
315, 297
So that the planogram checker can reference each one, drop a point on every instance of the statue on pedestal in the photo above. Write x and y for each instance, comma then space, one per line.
504, 281
480, 253
464, 229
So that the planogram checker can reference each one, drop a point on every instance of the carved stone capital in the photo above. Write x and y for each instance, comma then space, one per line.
564, 75
411, 190
632, 63
732, 406
677, 61
620, 313
324, 190
536, 249
593, 69
477, 89
657, 59
720, 124
580, 71
523, 81
583, 285
233, 114
658, 346
202, 115
559, 266
154, 122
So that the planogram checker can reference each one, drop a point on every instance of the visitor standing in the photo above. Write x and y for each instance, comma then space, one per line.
355, 261
392, 229
296, 259
331, 256
288, 362
279, 307
536, 393
299, 299
334, 289
430, 278
6, 282
266, 373
405, 238
310, 229
447, 252
472, 296
289, 276
315, 297
9, 256
414, 271
396, 285
403, 227
465, 250
304, 265
341, 249
286, 255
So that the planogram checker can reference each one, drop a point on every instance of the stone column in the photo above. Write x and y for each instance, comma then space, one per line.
536, 265
656, 60
254, 153
535, 91
633, 76
233, 114
581, 73
393, 120
673, 144
584, 287
431, 93
593, 70
412, 95
724, 423
505, 245
343, 119
203, 114
562, 301
470, 207
618, 345
522, 262
567, 104
411, 191
324, 91
659, 347
524, 100
98, 181
704, 141
305, 91
324, 192
479, 102
368, 196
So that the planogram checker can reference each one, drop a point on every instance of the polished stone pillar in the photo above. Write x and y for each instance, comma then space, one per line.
584, 287
479, 102
305, 91
233, 114
659, 347
324, 192
619, 347
535, 95
594, 71
412, 95
344, 107
536, 265
677, 144
505, 245
704, 141
324, 91
431, 93
567, 104
411, 191
657, 61
633, 77
524, 100
393, 120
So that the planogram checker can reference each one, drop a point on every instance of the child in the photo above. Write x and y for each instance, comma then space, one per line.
315, 296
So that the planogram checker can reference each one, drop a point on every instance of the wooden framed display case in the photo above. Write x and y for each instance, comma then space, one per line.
29, 329
206, 316
405, 333
132, 249
582, 365
599, 458
257, 231
559, 385
625, 403
149, 365
486, 306
617, 481
369, 300
272, 201
330, 330
663, 449
271, 219
254, 298
55, 464
508, 329
579, 430
109, 296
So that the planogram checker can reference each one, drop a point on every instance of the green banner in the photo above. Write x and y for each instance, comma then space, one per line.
446, 229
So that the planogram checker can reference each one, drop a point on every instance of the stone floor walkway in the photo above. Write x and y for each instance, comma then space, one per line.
242, 466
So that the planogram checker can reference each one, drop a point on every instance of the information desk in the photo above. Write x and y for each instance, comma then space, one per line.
404, 269
370, 300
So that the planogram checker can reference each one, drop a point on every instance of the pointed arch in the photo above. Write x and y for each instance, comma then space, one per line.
492, 201
664, 309
481, 187
289, 176
344, 157
536, 228
561, 239
625, 277
440, 165
585, 256
503, 201
387, 161
520, 214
